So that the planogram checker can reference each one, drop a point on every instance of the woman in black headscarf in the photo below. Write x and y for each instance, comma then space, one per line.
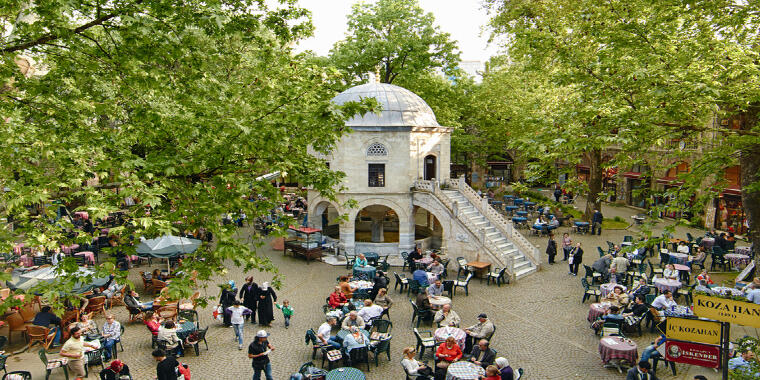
249, 296
266, 297
226, 299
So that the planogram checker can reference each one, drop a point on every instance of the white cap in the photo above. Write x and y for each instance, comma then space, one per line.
262, 334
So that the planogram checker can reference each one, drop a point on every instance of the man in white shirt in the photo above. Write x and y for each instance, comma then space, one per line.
370, 311
682, 248
447, 317
323, 333
664, 301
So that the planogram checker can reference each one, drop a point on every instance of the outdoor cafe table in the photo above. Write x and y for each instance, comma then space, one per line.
360, 284
345, 373
708, 242
737, 259
746, 250
581, 226
677, 311
663, 284
519, 219
89, 256
510, 209
431, 277
608, 287
442, 333
371, 257
439, 301
464, 370
596, 310
678, 257
723, 290
368, 272
343, 333
683, 272
480, 267
617, 348
521, 213
424, 261
185, 329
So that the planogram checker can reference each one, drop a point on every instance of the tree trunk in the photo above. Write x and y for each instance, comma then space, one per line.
749, 159
594, 183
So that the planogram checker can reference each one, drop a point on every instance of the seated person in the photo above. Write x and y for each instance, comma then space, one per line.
436, 268
651, 350
112, 289
88, 327
414, 255
702, 287
505, 371
638, 308
414, 367
682, 248
115, 371
132, 300
323, 333
447, 317
111, 335
360, 261
699, 257
616, 297
753, 296
482, 355
670, 272
421, 277
370, 311
423, 304
436, 289
153, 322
345, 287
641, 288
168, 333
613, 314
704, 276
355, 339
447, 353
481, 330
620, 265
383, 299
602, 265
554, 222
45, 318
353, 320
157, 275
664, 301
337, 299
492, 373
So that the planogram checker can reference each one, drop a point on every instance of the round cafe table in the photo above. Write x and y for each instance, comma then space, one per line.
663, 284
737, 259
439, 301
185, 329
596, 310
464, 370
678, 257
708, 242
345, 373
424, 261
367, 272
371, 257
616, 348
442, 333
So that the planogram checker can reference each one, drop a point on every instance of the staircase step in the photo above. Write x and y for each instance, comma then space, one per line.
524, 272
522, 265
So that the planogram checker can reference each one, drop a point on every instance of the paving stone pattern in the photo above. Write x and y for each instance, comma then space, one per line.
541, 323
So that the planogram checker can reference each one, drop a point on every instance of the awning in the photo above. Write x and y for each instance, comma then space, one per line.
732, 191
634, 175
669, 181
306, 230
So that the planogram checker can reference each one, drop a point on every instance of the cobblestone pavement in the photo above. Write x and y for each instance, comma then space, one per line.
541, 324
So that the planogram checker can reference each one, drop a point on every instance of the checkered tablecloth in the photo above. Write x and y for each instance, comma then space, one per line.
345, 373
708, 242
743, 250
464, 371
596, 310
614, 347
737, 259
663, 284
443, 333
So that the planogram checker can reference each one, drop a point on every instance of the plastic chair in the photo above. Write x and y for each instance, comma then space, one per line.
23, 374
601, 251
464, 284
462, 263
405, 256
497, 276
400, 281
519, 374
201, 337
448, 286
50, 365
359, 355
424, 342
590, 273
420, 315
382, 326
589, 291
384, 345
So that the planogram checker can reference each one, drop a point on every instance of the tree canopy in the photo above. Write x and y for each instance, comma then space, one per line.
396, 35
177, 105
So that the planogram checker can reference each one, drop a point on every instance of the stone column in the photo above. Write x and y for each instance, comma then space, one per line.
347, 238
378, 235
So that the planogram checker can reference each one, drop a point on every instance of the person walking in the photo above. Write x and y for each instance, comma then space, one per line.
596, 222
166, 369
226, 299
248, 294
551, 248
266, 297
576, 257
567, 245
258, 352
237, 312
73, 349
557, 193
287, 311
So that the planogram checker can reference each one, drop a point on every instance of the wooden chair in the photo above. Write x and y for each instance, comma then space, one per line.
40, 334
96, 305
192, 302
118, 298
15, 323
27, 312
135, 314
157, 285
147, 284
168, 312
5, 293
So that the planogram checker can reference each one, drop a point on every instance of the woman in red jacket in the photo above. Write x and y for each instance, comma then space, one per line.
447, 353
337, 299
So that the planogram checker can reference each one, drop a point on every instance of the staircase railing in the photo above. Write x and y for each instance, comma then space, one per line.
497, 220
488, 244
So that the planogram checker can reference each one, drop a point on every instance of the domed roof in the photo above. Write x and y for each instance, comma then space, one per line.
400, 107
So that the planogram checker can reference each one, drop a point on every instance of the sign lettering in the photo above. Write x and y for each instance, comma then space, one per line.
703, 355
727, 310
693, 330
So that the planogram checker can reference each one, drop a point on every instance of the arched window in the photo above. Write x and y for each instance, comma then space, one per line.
377, 149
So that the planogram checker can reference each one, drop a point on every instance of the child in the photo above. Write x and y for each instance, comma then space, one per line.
287, 311
236, 312
492, 373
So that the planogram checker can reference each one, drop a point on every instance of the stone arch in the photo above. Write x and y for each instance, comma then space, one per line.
402, 212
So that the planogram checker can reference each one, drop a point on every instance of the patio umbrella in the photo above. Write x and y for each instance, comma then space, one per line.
27, 280
167, 246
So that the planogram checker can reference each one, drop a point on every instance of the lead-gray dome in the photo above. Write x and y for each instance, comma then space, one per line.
400, 107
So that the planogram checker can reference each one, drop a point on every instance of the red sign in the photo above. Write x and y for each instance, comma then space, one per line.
703, 355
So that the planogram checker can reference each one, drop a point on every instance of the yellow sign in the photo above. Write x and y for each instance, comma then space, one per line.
727, 310
693, 330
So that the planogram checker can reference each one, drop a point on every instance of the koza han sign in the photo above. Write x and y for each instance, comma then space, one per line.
727, 310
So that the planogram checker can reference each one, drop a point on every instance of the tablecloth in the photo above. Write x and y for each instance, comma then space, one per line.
596, 310
682, 268
185, 329
442, 333
343, 333
424, 261
464, 370
371, 257
677, 311
367, 272
69, 248
89, 256
663, 284
726, 291
746, 250
26, 260
361, 284
737, 259
439, 301
708, 242
615, 347
607, 288
345, 373
82, 214
431, 277
678, 257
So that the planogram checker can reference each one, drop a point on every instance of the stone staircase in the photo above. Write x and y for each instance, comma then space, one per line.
521, 265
